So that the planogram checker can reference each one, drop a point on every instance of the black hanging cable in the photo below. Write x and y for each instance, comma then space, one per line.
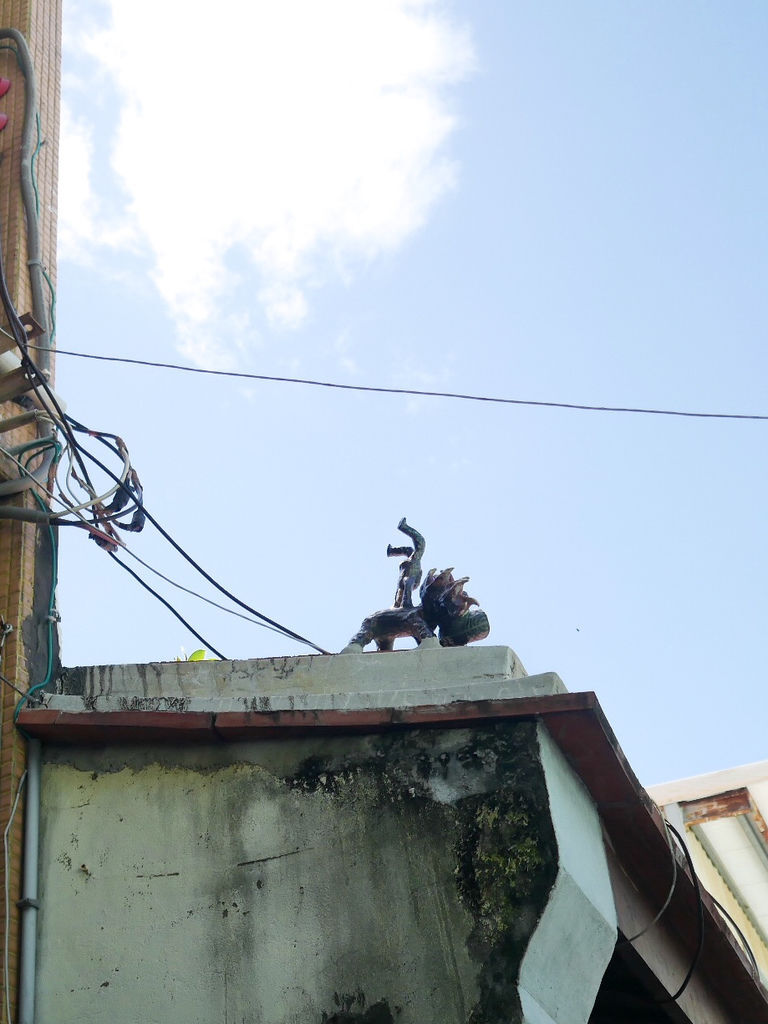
739, 933
168, 605
700, 942
667, 901
259, 615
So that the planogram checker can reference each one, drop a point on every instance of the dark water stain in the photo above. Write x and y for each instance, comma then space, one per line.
352, 1009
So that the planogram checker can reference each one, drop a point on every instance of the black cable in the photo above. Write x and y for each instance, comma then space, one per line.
259, 615
36, 377
13, 686
168, 605
101, 436
739, 932
413, 391
665, 904
129, 492
38, 380
700, 943
201, 597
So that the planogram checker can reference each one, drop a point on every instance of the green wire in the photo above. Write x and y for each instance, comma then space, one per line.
46, 275
33, 158
43, 443
51, 603
52, 307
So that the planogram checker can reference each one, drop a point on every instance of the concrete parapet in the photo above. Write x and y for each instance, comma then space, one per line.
395, 679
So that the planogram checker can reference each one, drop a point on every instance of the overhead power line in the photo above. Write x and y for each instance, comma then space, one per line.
413, 391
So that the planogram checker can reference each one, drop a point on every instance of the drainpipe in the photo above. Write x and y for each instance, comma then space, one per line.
28, 903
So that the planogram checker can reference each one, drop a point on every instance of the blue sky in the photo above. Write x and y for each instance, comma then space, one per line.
540, 200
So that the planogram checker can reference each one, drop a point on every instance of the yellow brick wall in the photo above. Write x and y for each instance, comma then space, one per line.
20, 543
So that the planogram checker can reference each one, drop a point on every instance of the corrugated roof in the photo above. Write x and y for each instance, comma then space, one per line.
726, 811
698, 786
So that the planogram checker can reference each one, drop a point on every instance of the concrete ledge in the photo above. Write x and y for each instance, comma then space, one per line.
419, 669
407, 695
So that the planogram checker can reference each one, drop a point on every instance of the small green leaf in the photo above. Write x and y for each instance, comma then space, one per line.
197, 655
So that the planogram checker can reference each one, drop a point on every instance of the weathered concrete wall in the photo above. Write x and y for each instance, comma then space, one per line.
573, 943
422, 675
369, 879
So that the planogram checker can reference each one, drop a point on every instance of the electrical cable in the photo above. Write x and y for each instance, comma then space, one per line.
102, 498
412, 391
32, 478
266, 622
52, 305
193, 593
283, 629
739, 933
104, 515
29, 474
168, 605
35, 375
670, 894
700, 917
115, 510
93, 530
5, 630
13, 686
51, 616
38, 382
32, 161
124, 547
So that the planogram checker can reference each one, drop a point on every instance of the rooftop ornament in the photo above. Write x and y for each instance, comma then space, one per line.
446, 616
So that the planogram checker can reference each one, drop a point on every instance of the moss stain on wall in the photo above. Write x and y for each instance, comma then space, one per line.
503, 839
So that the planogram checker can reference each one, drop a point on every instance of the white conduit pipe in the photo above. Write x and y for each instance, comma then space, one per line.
28, 903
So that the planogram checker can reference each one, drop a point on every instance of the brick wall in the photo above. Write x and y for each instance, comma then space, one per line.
24, 547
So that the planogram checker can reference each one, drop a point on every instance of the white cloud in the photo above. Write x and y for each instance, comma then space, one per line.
84, 222
76, 226
304, 136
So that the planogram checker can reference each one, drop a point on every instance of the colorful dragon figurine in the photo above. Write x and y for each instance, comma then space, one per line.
445, 612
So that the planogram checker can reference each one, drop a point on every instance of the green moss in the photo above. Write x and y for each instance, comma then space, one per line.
506, 862
505, 852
